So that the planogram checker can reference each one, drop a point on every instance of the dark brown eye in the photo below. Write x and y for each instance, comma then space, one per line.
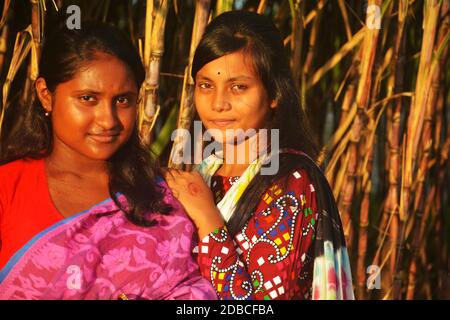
239, 87
87, 98
123, 100
204, 85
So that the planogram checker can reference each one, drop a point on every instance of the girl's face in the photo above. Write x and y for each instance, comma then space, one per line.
94, 113
229, 95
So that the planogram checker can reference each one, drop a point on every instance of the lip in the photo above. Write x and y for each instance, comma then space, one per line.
223, 122
104, 138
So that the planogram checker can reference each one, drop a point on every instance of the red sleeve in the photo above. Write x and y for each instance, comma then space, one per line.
1, 212
25, 205
2, 204
270, 258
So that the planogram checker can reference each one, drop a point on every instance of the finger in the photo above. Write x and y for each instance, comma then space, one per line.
177, 173
197, 175
168, 176
165, 172
172, 173
171, 181
175, 190
183, 177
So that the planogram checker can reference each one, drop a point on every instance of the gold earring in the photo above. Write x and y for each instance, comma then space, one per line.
47, 114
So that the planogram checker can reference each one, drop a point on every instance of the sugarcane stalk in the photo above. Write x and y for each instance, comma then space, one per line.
223, 6
365, 171
313, 13
363, 234
414, 127
153, 51
395, 85
22, 47
187, 106
4, 34
130, 22
439, 199
312, 43
37, 29
418, 237
430, 113
37, 25
348, 30
6, 5
362, 98
148, 31
445, 11
417, 111
348, 113
297, 10
348, 100
262, 6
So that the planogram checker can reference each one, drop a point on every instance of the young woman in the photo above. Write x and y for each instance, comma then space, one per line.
84, 213
276, 236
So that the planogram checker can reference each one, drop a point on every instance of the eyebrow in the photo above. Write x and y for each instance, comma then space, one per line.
127, 93
88, 91
237, 78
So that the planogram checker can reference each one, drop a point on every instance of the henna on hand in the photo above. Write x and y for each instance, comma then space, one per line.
193, 188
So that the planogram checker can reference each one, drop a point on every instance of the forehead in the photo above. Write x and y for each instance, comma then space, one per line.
234, 64
104, 73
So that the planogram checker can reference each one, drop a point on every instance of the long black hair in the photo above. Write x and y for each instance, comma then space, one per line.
132, 170
260, 39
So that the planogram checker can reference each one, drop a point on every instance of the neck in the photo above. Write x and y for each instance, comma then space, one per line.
237, 157
64, 160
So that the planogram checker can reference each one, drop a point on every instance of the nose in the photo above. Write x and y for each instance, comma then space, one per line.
220, 102
107, 117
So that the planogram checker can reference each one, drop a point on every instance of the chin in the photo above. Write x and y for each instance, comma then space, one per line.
220, 135
101, 155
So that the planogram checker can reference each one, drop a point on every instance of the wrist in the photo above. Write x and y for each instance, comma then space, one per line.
208, 226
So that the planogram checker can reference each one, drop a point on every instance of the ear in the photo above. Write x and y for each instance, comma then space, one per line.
44, 94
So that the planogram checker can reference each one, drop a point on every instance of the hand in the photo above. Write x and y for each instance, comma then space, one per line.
197, 199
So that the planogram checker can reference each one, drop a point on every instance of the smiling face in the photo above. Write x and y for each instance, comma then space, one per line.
229, 95
94, 113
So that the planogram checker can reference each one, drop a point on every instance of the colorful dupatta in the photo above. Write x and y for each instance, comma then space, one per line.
208, 168
331, 266
99, 254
